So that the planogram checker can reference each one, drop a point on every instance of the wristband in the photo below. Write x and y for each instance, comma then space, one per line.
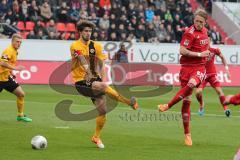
85, 66
199, 54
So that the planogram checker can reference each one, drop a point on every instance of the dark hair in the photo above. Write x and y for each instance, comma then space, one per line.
85, 24
122, 45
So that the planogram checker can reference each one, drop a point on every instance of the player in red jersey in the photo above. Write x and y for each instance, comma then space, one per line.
232, 99
211, 77
193, 50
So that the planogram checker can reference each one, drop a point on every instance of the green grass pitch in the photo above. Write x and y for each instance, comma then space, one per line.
126, 136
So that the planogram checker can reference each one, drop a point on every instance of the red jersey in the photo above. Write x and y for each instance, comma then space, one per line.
196, 41
210, 66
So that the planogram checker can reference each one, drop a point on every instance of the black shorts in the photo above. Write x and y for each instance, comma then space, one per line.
9, 85
86, 89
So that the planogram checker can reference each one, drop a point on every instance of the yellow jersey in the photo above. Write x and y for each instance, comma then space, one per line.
78, 72
9, 55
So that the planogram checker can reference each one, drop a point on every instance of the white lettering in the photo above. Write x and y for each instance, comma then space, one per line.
204, 41
25, 75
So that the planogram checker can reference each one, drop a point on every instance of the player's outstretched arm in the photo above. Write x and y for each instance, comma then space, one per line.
8, 66
224, 63
102, 69
185, 52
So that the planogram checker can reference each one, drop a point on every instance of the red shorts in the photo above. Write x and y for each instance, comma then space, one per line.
212, 79
188, 72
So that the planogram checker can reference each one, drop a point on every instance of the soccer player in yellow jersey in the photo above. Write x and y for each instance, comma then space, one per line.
87, 56
7, 64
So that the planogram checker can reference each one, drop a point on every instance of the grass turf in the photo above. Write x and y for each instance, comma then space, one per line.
128, 134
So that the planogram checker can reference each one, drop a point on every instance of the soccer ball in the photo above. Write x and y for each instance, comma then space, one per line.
39, 142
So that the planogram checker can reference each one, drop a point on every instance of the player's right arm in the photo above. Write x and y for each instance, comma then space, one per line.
77, 54
4, 63
186, 52
8, 66
186, 44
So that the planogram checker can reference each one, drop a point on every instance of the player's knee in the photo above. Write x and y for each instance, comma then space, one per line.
192, 83
21, 94
198, 92
219, 91
103, 87
188, 98
102, 111
100, 102
102, 108
99, 86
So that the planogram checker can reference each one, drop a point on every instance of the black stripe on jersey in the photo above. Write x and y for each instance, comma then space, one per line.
92, 53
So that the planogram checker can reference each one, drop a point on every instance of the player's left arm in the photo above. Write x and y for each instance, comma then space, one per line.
101, 56
102, 69
4, 61
223, 59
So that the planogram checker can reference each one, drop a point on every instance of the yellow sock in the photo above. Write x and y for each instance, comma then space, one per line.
114, 94
100, 121
20, 105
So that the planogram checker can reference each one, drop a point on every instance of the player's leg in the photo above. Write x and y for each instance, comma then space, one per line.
103, 87
186, 115
221, 96
185, 91
20, 100
13, 87
216, 85
220, 93
100, 103
20, 104
232, 99
199, 97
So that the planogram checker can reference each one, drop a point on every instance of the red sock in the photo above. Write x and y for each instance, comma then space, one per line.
200, 99
235, 99
186, 115
222, 99
184, 92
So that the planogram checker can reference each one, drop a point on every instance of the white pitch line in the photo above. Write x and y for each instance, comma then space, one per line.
208, 115
126, 108
62, 127
13, 101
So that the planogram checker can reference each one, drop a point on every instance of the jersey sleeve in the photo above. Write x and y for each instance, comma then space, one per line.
74, 52
100, 53
6, 56
187, 40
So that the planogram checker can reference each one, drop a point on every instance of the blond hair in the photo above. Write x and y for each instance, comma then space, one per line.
16, 35
201, 12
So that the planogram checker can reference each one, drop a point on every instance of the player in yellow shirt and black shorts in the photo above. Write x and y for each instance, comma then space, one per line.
87, 56
8, 62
